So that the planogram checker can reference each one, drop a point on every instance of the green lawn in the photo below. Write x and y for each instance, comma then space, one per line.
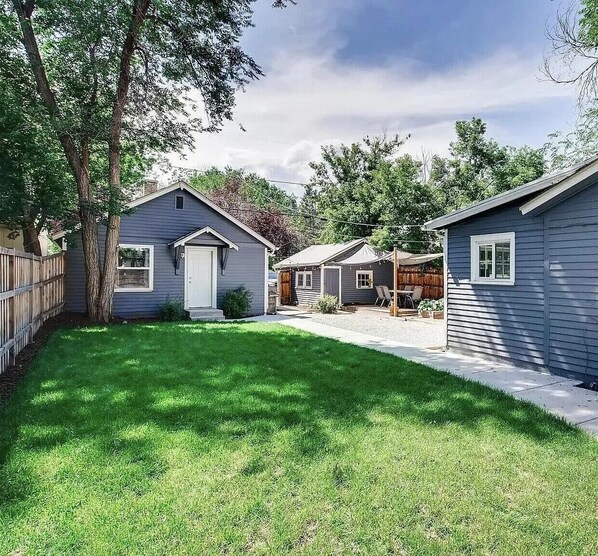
247, 438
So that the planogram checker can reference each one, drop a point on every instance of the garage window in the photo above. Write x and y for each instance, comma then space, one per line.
493, 259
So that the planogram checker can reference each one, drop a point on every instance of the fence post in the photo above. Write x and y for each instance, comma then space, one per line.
13, 303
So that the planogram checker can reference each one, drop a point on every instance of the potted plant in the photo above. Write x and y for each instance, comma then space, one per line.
431, 308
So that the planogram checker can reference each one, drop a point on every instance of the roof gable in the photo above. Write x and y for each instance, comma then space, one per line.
545, 188
315, 255
205, 230
183, 186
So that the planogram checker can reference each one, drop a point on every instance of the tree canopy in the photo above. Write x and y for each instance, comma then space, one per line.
370, 189
136, 77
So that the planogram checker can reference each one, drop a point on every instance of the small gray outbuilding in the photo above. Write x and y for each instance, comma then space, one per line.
521, 274
349, 271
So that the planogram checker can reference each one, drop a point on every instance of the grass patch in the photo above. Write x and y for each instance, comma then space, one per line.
237, 438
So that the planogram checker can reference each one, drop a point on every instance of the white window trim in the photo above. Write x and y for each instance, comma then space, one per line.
150, 268
492, 239
371, 279
304, 273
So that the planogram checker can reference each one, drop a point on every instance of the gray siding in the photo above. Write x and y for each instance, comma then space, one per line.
500, 321
382, 276
302, 296
350, 294
572, 237
158, 223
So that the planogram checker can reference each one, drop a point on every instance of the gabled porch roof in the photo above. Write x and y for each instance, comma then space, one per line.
205, 230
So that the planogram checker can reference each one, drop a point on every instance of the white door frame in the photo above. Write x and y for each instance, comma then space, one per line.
214, 251
323, 269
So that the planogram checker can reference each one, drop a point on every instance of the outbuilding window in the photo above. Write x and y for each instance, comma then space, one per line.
179, 202
135, 268
303, 279
364, 279
493, 259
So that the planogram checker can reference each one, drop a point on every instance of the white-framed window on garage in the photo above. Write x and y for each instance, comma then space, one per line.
493, 259
303, 279
135, 268
364, 279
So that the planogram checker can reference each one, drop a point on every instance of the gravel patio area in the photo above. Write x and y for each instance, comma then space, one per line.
414, 331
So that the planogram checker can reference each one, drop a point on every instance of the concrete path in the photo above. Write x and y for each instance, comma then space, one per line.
555, 394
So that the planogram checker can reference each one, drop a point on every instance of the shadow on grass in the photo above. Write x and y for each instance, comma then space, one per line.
225, 381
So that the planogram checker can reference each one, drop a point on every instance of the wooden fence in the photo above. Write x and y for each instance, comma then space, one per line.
31, 291
432, 279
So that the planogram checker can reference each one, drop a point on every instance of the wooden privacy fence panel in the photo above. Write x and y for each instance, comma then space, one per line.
432, 280
31, 291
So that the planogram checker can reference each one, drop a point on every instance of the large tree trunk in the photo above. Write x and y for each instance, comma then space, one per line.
31, 243
79, 166
139, 14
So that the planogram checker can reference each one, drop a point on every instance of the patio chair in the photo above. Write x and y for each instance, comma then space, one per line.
380, 296
416, 297
387, 296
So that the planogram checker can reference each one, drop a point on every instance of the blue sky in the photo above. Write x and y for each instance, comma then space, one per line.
337, 70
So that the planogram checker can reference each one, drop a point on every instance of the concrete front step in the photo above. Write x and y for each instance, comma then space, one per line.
206, 314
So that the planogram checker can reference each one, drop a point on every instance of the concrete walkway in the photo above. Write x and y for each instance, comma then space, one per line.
557, 395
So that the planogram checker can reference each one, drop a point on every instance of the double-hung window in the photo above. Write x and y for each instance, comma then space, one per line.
135, 268
364, 279
303, 279
493, 259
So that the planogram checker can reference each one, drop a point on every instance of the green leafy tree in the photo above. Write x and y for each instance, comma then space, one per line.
110, 74
348, 196
479, 167
36, 187
407, 201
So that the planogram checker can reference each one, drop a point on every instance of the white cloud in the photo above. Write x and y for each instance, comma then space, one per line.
307, 100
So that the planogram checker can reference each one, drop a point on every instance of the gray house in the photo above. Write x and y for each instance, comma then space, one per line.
348, 271
522, 274
178, 244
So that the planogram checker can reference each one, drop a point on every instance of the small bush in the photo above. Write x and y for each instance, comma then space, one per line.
326, 304
236, 303
431, 305
173, 309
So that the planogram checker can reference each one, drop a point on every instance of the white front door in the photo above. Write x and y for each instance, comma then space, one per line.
200, 277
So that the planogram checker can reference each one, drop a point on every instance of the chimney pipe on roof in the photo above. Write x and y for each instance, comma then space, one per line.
150, 186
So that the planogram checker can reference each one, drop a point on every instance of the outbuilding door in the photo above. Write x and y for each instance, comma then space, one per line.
200, 277
331, 281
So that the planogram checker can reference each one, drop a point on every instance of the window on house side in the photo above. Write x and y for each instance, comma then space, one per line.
135, 270
179, 202
303, 280
493, 259
364, 279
